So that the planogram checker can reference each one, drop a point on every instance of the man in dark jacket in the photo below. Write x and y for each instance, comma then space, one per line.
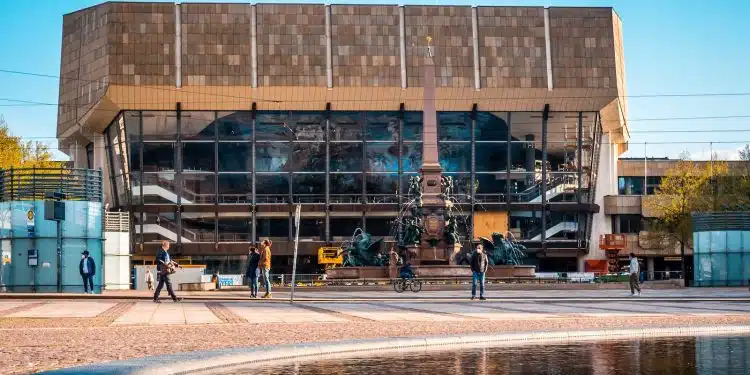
163, 261
479, 263
87, 268
253, 258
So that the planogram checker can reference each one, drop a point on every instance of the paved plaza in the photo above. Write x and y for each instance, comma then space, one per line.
47, 333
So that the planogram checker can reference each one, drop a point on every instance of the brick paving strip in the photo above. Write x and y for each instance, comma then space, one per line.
425, 311
25, 307
223, 313
335, 313
26, 350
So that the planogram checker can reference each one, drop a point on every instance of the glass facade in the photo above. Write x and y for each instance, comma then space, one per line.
207, 174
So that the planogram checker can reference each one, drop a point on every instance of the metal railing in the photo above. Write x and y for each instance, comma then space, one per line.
116, 222
77, 184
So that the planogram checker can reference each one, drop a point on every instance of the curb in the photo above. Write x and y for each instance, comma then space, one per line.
209, 361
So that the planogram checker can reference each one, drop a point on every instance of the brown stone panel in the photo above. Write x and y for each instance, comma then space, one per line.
365, 45
450, 29
511, 47
83, 68
582, 48
291, 45
141, 42
216, 43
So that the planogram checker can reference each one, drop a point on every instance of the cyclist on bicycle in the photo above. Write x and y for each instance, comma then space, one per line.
407, 273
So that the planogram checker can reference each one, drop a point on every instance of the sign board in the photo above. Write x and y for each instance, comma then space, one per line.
230, 280
30, 225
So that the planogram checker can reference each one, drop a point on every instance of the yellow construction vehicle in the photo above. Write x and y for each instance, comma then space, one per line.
330, 257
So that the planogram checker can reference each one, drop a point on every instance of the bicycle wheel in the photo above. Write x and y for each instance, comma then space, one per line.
399, 286
415, 286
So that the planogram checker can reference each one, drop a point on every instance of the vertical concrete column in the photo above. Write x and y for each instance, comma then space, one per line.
402, 44
329, 52
548, 48
254, 45
650, 268
177, 45
475, 43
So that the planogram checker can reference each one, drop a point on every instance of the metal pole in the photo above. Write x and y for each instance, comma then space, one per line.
59, 256
297, 214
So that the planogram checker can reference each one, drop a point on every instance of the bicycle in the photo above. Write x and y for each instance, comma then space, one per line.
400, 285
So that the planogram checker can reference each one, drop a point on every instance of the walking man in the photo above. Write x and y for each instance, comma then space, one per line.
479, 264
265, 266
87, 268
252, 271
634, 272
164, 267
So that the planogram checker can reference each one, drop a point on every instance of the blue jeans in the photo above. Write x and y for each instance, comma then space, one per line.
253, 282
477, 277
88, 281
267, 279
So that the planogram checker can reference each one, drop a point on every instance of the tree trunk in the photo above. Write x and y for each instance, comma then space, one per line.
682, 264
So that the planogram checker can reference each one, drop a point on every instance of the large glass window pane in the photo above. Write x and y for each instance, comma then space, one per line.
345, 126
132, 125
198, 125
235, 125
412, 157
383, 157
274, 126
308, 187
198, 156
526, 225
272, 188
158, 156
135, 155
491, 157
198, 188
308, 126
491, 187
405, 178
381, 126
272, 228
382, 184
159, 188
343, 228
235, 157
493, 126
346, 157
412, 127
455, 157
235, 188
271, 157
346, 188
454, 126
199, 227
159, 125
234, 229
380, 226
308, 157
312, 228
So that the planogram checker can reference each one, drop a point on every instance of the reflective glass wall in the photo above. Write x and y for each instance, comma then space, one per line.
215, 166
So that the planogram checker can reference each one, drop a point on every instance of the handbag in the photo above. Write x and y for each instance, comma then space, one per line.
168, 269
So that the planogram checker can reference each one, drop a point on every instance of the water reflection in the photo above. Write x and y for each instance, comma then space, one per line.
682, 355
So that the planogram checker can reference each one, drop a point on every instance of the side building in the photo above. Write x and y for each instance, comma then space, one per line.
211, 120
628, 211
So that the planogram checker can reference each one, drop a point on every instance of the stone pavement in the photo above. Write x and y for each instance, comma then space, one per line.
340, 307
38, 334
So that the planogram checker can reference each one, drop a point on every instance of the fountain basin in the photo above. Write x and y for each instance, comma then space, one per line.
430, 271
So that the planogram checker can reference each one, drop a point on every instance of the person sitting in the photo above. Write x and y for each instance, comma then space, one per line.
407, 272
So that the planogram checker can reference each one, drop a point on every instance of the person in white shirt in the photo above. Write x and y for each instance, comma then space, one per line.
634, 272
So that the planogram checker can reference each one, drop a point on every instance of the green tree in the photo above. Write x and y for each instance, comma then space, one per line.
15, 153
687, 187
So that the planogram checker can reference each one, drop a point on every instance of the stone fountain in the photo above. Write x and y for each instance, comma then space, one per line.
427, 228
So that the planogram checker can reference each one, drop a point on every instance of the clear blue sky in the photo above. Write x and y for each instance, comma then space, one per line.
671, 47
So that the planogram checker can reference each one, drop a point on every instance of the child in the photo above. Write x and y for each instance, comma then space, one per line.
149, 278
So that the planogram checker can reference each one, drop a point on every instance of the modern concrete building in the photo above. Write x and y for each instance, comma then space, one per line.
211, 120
629, 213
